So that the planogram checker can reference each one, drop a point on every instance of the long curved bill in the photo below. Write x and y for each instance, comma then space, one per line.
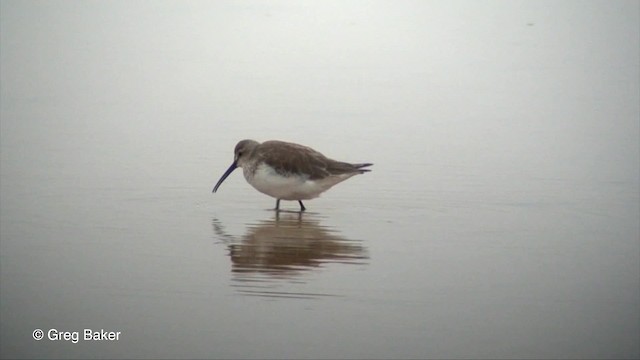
233, 166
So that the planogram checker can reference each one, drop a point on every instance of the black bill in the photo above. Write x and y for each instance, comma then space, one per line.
233, 166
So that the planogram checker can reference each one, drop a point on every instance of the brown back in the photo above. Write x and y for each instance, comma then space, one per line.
287, 158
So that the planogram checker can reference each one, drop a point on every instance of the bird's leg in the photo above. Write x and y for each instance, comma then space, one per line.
302, 208
277, 205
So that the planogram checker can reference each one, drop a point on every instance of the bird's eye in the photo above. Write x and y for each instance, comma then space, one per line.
239, 153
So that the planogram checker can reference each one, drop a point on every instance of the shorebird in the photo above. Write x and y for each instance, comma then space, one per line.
288, 171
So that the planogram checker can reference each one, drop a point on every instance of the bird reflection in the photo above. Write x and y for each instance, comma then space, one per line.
284, 248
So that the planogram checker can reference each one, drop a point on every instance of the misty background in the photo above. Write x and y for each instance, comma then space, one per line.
501, 217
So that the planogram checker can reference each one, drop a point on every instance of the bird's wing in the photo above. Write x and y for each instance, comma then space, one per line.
288, 158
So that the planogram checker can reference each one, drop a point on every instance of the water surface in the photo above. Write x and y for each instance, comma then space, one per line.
500, 219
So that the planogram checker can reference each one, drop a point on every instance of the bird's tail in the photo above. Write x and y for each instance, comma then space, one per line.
361, 167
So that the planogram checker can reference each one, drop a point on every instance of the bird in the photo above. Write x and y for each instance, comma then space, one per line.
289, 171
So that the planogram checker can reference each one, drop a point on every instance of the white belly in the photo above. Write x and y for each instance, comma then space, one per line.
293, 187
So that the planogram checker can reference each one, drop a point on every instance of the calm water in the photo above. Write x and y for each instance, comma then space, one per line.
501, 218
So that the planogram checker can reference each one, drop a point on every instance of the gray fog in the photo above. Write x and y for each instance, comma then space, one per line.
501, 218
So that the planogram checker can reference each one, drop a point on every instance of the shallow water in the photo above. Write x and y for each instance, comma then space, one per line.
500, 219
